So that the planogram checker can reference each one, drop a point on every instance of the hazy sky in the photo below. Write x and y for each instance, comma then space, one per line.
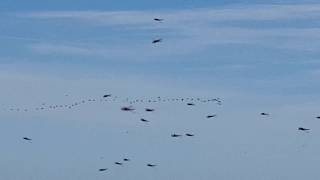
256, 57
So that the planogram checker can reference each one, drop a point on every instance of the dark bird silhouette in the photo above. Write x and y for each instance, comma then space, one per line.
188, 134
156, 41
127, 108
318, 117
106, 95
151, 165
158, 19
303, 129
211, 116
118, 163
126, 159
149, 110
176, 135
27, 139
103, 169
264, 114
190, 104
143, 120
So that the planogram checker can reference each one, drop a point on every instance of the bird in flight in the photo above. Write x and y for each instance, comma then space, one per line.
190, 104
143, 120
126, 159
318, 117
103, 169
176, 135
303, 129
106, 95
211, 116
127, 108
158, 19
188, 134
151, 165
27, 139
156, 41
149, 110
264, 114
118, 163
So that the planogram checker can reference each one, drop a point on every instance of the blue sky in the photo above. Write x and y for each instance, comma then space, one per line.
257, 56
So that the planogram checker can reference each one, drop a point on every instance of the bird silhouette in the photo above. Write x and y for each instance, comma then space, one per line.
151, 165
143, 120
118, 163
126, 159
188, 134
303, 129
318, 117
157, 41
27, 139
264, 114
211, 116
176, 135
149, 110
158, 19
127, 108
103, 169
106, 95
190, 104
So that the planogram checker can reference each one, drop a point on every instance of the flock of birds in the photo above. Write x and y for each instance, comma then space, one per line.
109, 97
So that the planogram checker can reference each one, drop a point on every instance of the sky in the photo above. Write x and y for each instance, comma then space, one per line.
256, 56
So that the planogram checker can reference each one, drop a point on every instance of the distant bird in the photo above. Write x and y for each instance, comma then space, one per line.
318, 117
264, 114
158, 19
143, 120
188, 134
176, 135
190, 104
106, 95
118, 163
127, 108
151, 165
126, 159
303, 129
156, 41
211, 116
149, 110
27, 139
103, 169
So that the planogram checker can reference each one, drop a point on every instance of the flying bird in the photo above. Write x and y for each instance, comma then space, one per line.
103, 169
176, 135
264, 114
106, 95
149, 110
303, 129
211, 116
188, 134
143, 120
190, 104
126, 159
156, 41
318, 117
118, 163
27, 139
158, 19
151, 165
127, 108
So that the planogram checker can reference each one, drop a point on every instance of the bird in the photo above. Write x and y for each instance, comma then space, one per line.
149, 110
143, 120
176, 135
151, 165
103, 169
190, 104
118, 163
188, 134
127, 108
126, 159
106, 95
211, 116
27, 139
264, 114
318, 117
303, 129
156, 41
158, 19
